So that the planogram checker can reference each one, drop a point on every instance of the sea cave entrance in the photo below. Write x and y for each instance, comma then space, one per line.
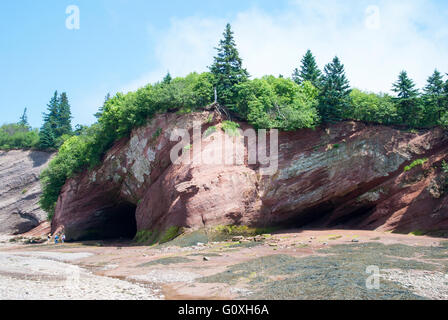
112, 223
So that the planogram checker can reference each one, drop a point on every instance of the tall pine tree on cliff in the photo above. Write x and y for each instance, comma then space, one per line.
434, 98
24, 119
407, 94
47, 135
309, 71
64, 116
228, 68
334, 98
57, 121
434, 84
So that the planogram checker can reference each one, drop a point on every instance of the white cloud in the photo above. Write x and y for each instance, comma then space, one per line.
410, 35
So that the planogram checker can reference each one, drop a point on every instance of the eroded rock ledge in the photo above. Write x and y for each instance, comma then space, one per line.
348, 175
20, 190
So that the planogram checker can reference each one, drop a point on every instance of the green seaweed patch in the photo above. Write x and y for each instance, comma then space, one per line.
189, 239
144, 236
170, 234
165, 261
417, 233
152, 237
338, 272
222, 233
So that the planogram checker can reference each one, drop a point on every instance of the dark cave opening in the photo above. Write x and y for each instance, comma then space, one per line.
113, 223
311, 217
352, 218
321, 217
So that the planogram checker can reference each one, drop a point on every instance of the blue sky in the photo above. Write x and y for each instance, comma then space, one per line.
124, 44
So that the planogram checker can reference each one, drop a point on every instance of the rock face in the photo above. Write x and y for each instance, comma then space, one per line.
20, 190
347, 175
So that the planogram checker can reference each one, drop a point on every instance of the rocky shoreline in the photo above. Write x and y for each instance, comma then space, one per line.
307, 264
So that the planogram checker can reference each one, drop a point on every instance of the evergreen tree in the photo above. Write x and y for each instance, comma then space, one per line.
167, 79
57, 121
334, 98
434, 98
24, 119
64, 116
47, 139
404, 87
47, 133
228, 68
309, 71
435, 84
408, 106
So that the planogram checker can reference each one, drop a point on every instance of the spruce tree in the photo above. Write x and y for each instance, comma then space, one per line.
47, 133
227, 68
334, 98
64, 116
408, 106
24, 119
57, 121
434, 84
404, 87
434, 98
167, 79
309, 71
47, 139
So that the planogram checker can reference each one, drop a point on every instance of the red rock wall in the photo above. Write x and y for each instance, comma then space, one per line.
348, 175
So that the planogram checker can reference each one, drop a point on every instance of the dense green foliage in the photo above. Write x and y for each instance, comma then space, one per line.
371, 107
231, 128
124, 112
18, 136
307, 100
277, 103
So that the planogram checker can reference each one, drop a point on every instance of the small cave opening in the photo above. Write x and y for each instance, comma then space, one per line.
312, 217
351, 219
321, 217
117, 222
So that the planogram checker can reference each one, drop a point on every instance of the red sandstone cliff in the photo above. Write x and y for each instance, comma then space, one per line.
347, 175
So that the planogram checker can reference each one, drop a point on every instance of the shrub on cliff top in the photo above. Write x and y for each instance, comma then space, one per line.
18, 136
279, 103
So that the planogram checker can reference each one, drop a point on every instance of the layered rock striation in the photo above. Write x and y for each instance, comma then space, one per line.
346, 175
